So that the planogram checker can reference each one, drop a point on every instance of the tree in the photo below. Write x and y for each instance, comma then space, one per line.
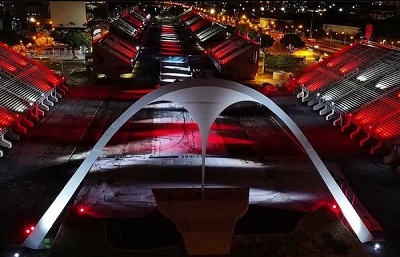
293, 40
241, 29
253, 34
281, 62
266, 42
72, 38
319, 34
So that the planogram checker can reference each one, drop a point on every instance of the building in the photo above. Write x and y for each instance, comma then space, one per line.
341, 29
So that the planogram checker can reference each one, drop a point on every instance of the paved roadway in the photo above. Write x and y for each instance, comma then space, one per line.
34, 170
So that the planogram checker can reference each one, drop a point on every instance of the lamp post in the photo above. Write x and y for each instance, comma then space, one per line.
312, 16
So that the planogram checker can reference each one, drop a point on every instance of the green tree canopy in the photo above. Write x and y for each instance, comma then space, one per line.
292, 39
72, 38
253, 34
320, 33
266, 42
241, 29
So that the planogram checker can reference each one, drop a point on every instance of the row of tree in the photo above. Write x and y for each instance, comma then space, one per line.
266, 41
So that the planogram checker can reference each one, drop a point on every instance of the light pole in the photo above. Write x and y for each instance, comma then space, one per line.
312, 16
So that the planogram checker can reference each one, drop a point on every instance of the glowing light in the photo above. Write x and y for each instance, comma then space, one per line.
362, 78
16, 254
377, 246
27, 231
32, 19
81, 210
212, 11
334, 206
32, 228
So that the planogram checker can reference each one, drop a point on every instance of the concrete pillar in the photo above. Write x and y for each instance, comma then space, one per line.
58, 95
301, 94
338, 121
5, 143
319, 106
44, 107
64, 87
33, 114
330, 116
363, 141
307, 97
354, 133
48, 102
19, 128
313, 101
394, 155
324, 111
14, 136
206, 219
62, 92
53, 98
346, 125
376, 148
1, 153
39, 112
26, 122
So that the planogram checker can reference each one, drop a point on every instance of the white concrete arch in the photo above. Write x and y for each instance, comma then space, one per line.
204, 99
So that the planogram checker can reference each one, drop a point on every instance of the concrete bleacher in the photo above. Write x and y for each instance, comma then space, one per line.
236, 58
361, 86
115, 53
173, 63
27, 89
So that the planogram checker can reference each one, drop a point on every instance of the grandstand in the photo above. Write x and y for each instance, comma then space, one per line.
115, 52
112, 56
360, 86
236, 58
27, 89
173, 64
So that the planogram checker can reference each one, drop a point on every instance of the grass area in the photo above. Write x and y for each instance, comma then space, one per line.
318, 234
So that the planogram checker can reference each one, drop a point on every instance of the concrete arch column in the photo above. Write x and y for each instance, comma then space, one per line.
204, 99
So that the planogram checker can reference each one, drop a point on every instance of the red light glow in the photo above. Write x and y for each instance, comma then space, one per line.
81, 210
28, 231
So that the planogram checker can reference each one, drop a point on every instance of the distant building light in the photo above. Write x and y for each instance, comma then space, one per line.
340, 9
377, 246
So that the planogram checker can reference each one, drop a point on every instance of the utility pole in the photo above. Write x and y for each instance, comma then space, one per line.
312, 16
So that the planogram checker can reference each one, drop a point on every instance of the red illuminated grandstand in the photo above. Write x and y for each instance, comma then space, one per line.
112, 56
360, 85
27, 88
236, 58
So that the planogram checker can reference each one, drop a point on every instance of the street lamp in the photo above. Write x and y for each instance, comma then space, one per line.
312, 16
